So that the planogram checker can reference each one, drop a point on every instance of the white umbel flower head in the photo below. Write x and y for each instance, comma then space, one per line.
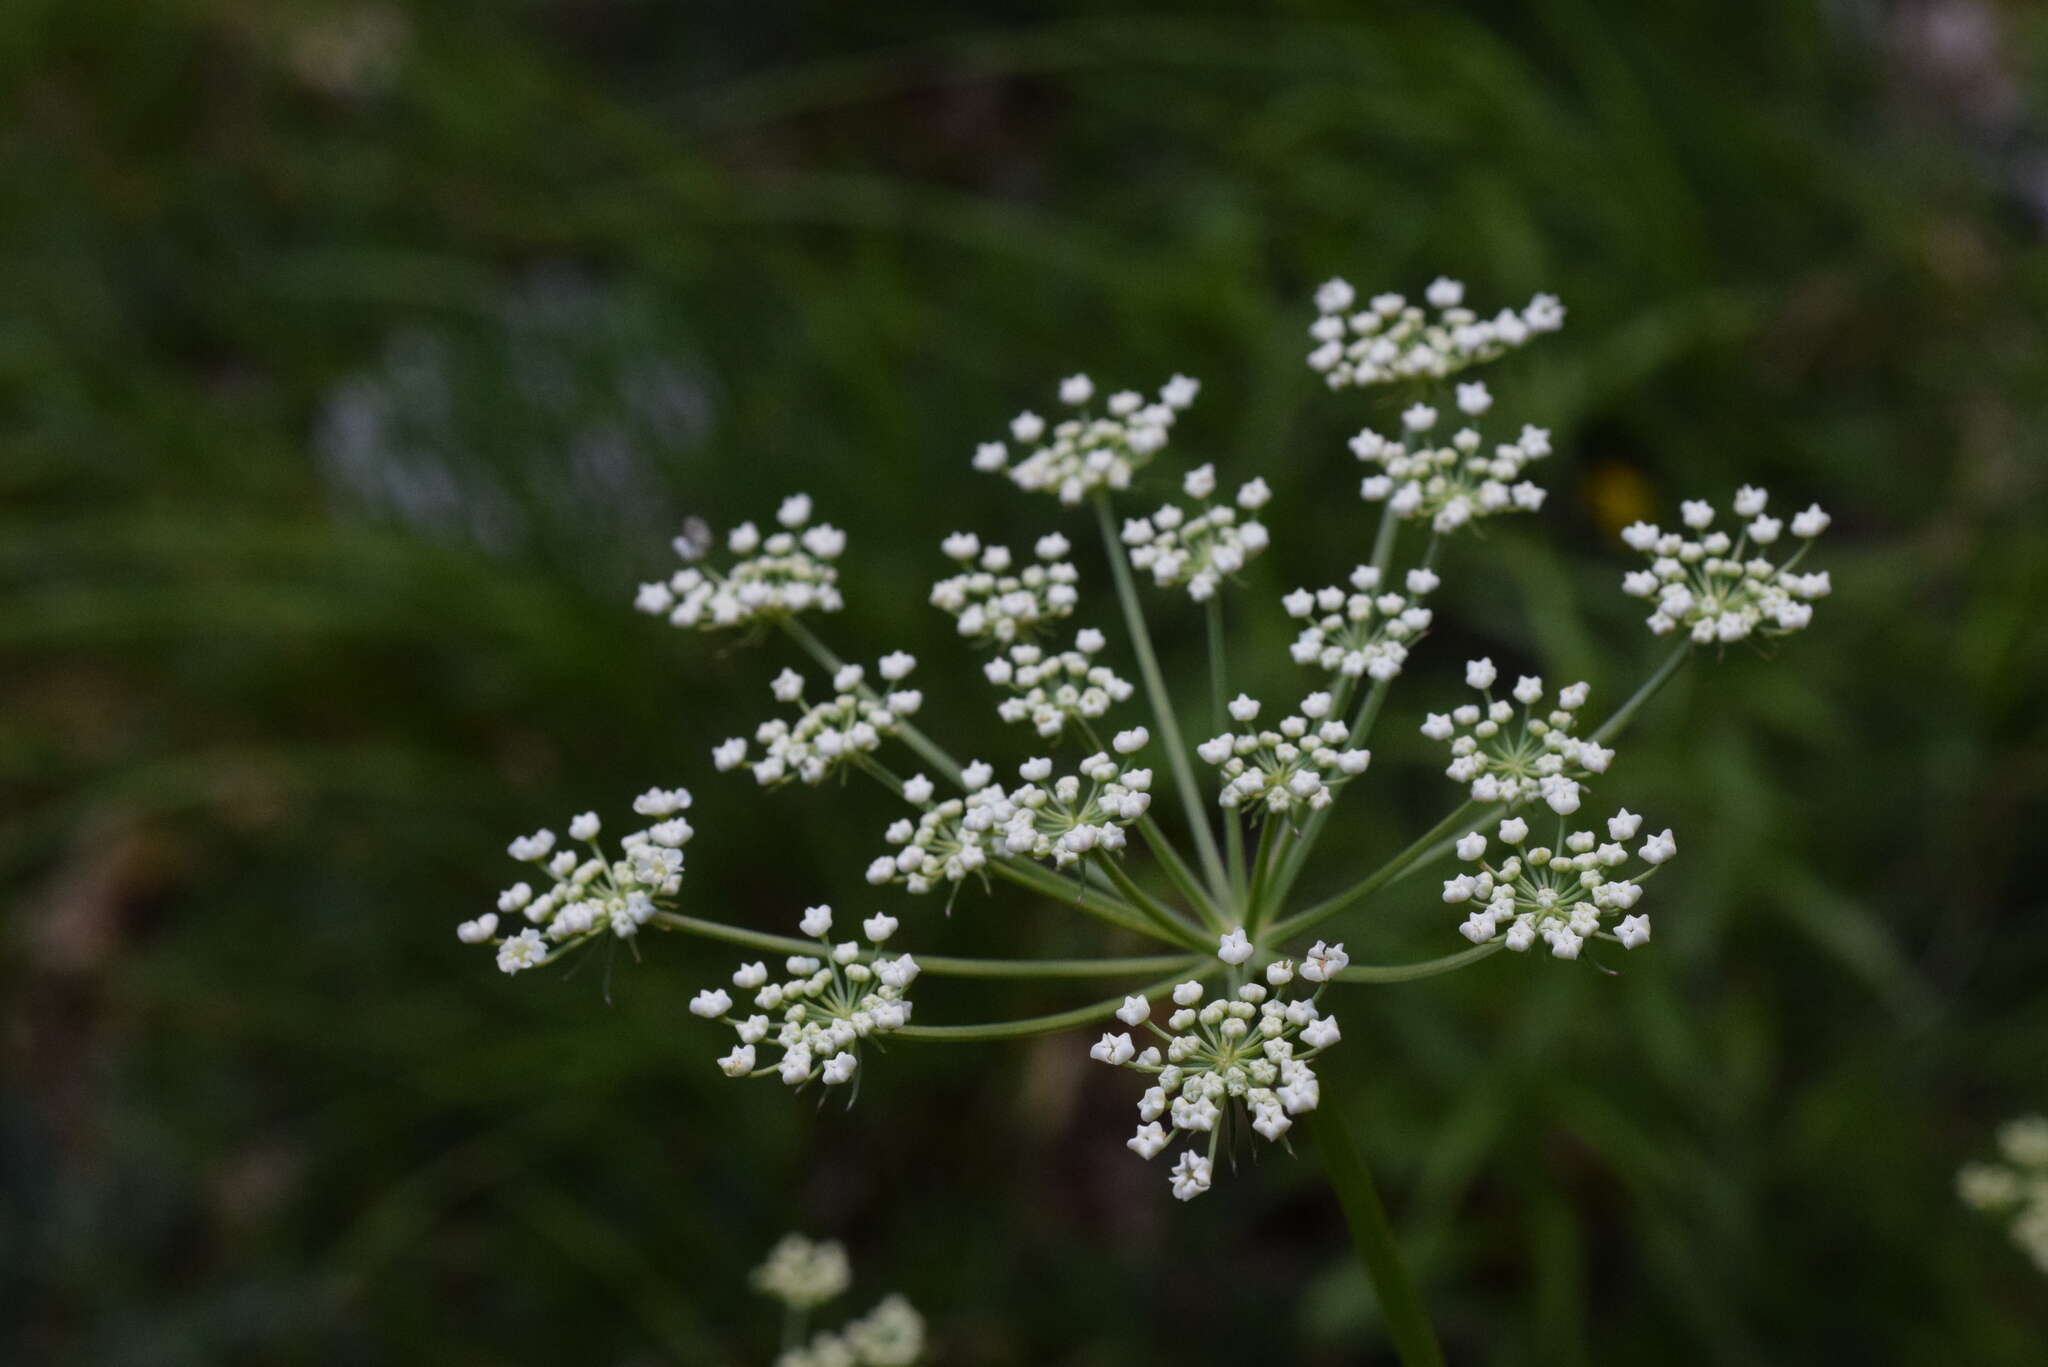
1202, 550
773, 577
1719, 589
1078, 455
1063, 819
1363, 630
820, 1013
1297, 765
2015, 1191
803, 1274
1052, 690
890, 1335
1451, 481
1392, 340
1564, 897
1510, 754
584, 896
994, 600
829, 735
1249, 1052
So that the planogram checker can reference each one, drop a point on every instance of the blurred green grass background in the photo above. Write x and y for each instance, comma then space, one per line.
358, 358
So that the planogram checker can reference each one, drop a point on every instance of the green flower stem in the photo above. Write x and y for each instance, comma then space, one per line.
1178, 931
878, 771
1219, 716
1026, 874
793, 1322
1445, 845
936, 965
1178, 873
1451, 825
1096, 878
1361, 723
926, 748
1401, 1308
1272, 834
1612, 726
1312, 830
1408, 973
733, 935
1101, 905
1383, 538
942, 967
1169, 921
1368, 712
1162, 701
1065, 1020
1170, 859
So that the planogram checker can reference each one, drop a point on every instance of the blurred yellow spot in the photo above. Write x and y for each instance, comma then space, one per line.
1618, 495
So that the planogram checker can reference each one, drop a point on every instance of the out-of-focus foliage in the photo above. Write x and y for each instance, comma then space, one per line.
355, 360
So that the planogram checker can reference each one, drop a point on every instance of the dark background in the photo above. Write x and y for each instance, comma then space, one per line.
357, 359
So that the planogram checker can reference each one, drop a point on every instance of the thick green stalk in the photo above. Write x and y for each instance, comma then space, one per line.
1101, 905
1064, 1020
879, 772
1383, 538
1272, 835
793, 1321
1408, 973
1162, 702
1170, 860
1380, 877
940, 966
1219, 718
1368, 712
1401, 1308
1612, 726
1170, 922
1297, 857
1178, 873
934, 964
